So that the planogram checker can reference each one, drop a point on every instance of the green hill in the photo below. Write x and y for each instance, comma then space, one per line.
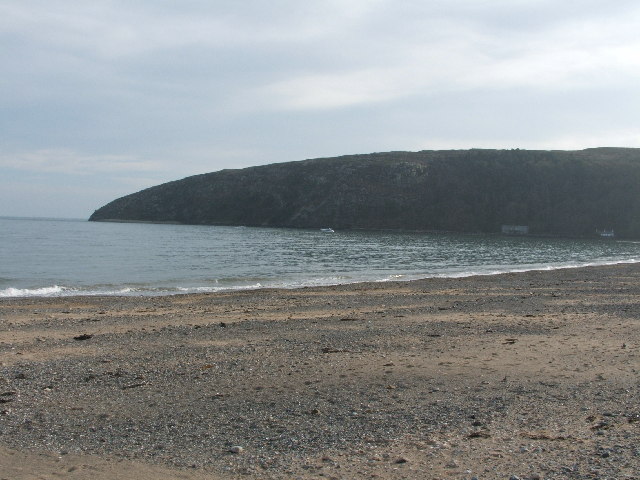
569, 193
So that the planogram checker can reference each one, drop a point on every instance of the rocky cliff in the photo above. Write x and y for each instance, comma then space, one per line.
552, 192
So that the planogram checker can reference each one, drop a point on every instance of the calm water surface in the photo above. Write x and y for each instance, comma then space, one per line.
51, 257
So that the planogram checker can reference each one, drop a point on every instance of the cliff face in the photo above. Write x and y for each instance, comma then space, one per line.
552, 192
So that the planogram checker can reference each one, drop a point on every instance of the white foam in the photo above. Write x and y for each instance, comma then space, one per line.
534, 268
217, 289
62, 291
53, 291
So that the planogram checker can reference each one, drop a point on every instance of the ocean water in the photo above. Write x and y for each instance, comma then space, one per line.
54, 257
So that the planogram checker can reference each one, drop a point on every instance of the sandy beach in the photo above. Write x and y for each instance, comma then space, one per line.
529, 375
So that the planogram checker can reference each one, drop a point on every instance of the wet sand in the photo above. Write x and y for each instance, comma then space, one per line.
533, 375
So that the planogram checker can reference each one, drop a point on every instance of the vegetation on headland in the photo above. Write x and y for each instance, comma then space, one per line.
569, 193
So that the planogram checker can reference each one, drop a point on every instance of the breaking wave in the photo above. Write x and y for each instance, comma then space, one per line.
62, 291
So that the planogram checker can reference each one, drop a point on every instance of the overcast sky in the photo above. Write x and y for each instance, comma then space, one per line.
99, 99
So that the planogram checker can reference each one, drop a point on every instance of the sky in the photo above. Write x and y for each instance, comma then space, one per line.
102, 98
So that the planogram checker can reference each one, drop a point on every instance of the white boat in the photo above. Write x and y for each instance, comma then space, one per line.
327, 230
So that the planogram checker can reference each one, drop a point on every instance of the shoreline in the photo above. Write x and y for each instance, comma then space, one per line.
223, 290
531, 374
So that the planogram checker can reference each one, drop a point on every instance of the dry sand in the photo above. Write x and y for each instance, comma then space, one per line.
529, 375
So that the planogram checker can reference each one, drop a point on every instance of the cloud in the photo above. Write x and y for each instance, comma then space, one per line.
118, 91
563, 141
247, 57
458, 54
74, 163
602, 137
119, 29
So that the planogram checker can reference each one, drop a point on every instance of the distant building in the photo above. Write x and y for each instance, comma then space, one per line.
606, 233
515, 229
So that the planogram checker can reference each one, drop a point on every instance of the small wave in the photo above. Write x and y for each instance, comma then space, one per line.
393, 278
534, 268
53, 291
61, 291
149, 290
317, 282
217, 289
390, 278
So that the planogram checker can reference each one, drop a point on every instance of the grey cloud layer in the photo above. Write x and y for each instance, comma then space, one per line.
182, 88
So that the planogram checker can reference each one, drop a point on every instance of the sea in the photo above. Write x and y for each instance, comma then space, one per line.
44, 257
